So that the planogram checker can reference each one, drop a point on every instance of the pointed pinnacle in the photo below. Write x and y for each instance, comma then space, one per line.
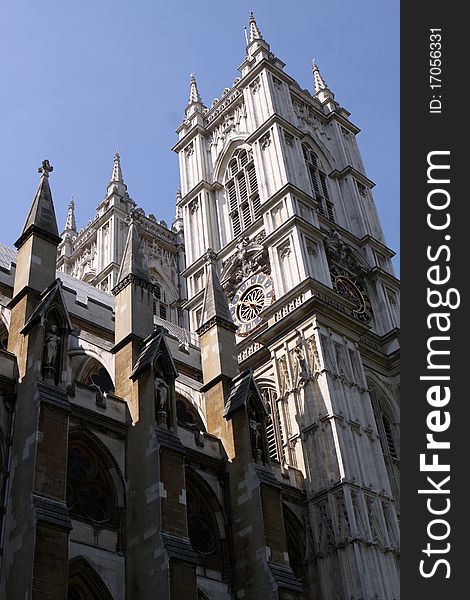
255, 33
116, 175
41, 216
215, 304
194, 96
318, 81
133, 259
70, 223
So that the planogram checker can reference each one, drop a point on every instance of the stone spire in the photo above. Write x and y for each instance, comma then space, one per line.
195, 103
117, 172
257, 48
177, 225
194, 96
116, 183
215, 306
320, 89
254, 32
41, 218
133, 264
70, 223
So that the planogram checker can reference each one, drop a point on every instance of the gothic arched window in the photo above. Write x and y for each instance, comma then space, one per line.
160, 304
387, 429
241, 187
295, 538
187, 415
90, 491
318, 182
206, 530
85, 583
274, 430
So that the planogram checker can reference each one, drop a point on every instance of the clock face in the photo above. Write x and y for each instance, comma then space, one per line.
251, 298
353, 292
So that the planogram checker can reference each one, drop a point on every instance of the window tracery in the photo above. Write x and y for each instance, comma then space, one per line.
318, 183
90, 492
242, 193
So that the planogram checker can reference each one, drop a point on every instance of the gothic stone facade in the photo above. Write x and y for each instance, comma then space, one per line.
208, 410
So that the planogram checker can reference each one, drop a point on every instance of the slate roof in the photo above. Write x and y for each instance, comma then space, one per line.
83, 290
284, 577
242, 386
150, 347
47, 298
7, 256
179, 548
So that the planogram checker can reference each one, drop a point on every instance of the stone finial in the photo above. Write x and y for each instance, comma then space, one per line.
70, 223
318, 81
194, 96
41, 217
320, 89
116, 175
45, 168
255, 33
116, 184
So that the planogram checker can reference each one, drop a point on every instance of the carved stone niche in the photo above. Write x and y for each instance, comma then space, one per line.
55, 346
164, 392
257, 424
249, 258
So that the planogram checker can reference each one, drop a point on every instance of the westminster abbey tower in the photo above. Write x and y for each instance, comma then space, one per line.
208, 409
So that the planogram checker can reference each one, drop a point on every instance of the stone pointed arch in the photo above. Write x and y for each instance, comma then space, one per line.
226, 154
95, 487
85, 583
105, 456
207, 524
296, 538
91, 371
326, 158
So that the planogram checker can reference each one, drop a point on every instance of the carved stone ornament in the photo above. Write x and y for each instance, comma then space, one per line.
326, 536
255, 86
301, 368
348, 270
265, 141
342, 254
284, 250
289, 138
249, 259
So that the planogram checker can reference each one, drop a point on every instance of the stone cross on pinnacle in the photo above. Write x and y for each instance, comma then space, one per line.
46, 168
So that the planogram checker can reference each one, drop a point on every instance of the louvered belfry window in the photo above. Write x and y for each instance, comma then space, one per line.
242, 191
318, 183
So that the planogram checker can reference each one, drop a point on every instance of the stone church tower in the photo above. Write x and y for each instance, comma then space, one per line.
208, 411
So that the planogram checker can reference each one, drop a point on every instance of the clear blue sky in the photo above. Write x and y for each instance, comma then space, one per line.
80, 79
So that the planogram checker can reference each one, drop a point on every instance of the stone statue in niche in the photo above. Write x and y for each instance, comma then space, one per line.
255, 434
302, 370
161, 391
51, 352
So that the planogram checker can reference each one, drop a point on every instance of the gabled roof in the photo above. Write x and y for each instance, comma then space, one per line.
53, 294
151, 346
242, 388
